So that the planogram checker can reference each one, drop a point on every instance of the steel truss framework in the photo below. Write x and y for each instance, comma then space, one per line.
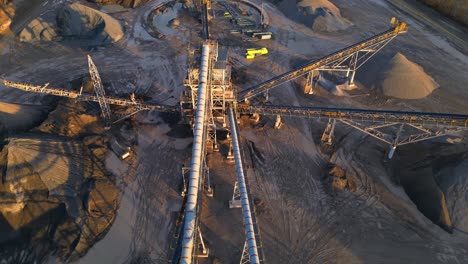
411, 127
45, 89
348, 64
359, 115
99, 89
334, 60
242, 198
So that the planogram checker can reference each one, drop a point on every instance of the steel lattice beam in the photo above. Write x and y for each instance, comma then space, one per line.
89, 97
99, 89
360, 115
332, 59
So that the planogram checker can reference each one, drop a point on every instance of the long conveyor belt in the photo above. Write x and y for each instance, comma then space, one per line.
248, 211
315, 64
89, 97
363, 115
205, 21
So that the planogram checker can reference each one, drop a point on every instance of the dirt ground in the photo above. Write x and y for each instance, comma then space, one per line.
302, 218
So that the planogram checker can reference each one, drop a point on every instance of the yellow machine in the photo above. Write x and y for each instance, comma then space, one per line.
252, 53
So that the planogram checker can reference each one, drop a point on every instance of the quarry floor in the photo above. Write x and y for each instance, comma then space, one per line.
302, 219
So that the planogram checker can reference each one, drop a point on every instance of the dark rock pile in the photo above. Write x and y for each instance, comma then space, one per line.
81, 22
55, 195
124, 3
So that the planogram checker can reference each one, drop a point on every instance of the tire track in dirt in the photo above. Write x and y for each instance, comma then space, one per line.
153, 200
306, 219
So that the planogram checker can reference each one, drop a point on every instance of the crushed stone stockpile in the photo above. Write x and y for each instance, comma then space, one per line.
55, 197
82, 22
71, 119
124, 3
39, 30
320, 15
439, 185
404, 79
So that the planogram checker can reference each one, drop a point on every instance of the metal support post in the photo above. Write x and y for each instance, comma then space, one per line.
235, 202
354, 62
395, 143
311, 81
245, 259
230, 156
206, 171
185, 172
204, 251
330, 138
278, 122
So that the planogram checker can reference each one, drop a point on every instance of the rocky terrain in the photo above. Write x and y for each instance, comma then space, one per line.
56, 172
68, 198
82, 22
458, 9
39, 30
72, 22
7, 12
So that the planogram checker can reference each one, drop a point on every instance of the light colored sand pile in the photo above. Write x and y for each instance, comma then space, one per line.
322, 15
406, 80
87, 23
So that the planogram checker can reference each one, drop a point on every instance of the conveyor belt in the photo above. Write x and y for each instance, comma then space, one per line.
89, 97
206, 29
315, 64
363, 115
195, 180
248, 211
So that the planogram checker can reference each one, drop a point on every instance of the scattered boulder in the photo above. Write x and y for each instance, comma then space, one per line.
337, 172
404, 79
174, 23
82, 22
338, 180
38, 30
